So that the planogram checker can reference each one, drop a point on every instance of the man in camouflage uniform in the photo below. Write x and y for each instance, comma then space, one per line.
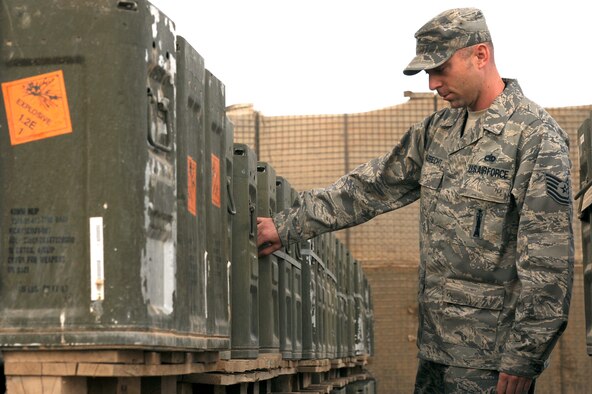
492, 174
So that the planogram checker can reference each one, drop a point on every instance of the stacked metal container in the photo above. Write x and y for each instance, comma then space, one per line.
295, 252
218, 209
342, 300
320, 334
269, 340
191, 208
290, 288
309, 299
351, 302
369, 318
332, 307
360, 308
88, 167
585, 214
245, 265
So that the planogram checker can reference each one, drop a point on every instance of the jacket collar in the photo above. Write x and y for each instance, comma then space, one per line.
493, 120
503, 106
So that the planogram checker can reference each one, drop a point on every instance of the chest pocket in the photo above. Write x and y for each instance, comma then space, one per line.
490, 170
431, 173
486, 193
487, 183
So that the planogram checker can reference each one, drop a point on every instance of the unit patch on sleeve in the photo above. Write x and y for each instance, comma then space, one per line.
557, 189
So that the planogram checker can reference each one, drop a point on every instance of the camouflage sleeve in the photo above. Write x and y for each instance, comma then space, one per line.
545, 251
380, 185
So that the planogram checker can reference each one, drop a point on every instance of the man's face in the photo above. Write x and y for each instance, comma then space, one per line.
456, 81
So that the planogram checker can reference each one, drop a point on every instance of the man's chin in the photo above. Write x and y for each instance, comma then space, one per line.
455, 103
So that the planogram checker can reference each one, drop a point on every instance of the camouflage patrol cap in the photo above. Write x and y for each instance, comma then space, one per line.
449, 31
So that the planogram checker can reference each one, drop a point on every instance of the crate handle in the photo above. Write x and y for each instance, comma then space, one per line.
128, 5
161, 107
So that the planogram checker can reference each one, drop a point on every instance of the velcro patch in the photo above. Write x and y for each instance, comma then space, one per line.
557, 189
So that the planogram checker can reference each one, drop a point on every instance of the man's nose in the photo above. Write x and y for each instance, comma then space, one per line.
434, 82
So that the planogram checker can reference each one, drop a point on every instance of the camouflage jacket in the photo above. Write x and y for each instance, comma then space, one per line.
496, 266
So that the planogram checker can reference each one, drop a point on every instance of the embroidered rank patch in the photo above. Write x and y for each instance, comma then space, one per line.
557, 189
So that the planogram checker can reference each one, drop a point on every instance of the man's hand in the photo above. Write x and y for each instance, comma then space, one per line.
268, 239
512, 384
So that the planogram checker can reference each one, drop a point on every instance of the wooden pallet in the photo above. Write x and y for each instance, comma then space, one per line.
232, 372
107, 363
325, 387
322, 365
74, 372
129, 371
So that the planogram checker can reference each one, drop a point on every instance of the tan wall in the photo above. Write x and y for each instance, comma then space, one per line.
395, 325
313, 151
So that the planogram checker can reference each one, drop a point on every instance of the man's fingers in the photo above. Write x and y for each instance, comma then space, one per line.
511, 384
267, 249
262, 236
502, 382
267, 237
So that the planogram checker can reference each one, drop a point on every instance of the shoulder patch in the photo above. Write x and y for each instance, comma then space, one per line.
557, 189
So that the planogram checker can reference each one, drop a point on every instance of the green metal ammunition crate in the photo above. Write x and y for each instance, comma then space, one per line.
297, 293
269, 341
217, 253
342, 344
585, 213
332, 303
290, 283
245, 265
351, 303
309, 299
88, 165
190, 191
360, 310
320, 334
369, 317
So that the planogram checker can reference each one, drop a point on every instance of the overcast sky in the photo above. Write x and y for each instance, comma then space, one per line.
289, 57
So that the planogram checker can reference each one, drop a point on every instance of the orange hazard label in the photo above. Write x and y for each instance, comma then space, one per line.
216, 180
191, 186
36, 107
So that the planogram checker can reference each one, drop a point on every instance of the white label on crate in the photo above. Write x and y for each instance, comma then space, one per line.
206, 270
97, 260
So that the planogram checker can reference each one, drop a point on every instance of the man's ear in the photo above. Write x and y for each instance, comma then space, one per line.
483, 55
